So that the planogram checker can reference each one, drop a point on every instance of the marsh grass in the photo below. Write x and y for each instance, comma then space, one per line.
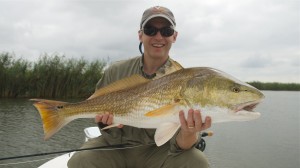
51, 76
276, 86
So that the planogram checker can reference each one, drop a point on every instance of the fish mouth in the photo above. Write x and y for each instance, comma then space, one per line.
247, 107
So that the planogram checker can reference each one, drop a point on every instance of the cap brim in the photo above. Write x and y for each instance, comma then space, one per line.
158, 15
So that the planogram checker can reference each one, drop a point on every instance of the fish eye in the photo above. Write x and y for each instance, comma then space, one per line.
236, 89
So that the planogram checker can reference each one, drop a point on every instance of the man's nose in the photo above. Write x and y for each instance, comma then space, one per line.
158, 36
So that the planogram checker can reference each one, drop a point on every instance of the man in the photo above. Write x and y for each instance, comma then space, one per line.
157, 33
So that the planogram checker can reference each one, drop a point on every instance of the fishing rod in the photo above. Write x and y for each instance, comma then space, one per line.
111, 147
201, 146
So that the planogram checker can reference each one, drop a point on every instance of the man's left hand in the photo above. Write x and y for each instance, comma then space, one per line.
190, 128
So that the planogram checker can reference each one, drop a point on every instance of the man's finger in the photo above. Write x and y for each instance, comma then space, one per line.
105, 118
98, 118
110, 119
207, 123
190, 119
182, 120
198, 119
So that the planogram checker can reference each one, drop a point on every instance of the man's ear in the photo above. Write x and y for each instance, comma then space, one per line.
175, 36
140, 33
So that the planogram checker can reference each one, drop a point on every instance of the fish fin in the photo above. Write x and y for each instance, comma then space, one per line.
110, 126
165, 132
49, 112
165, 110
175, 66
125, 83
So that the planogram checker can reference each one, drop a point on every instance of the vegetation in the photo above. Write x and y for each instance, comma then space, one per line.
50, 77
55, 76
276, 86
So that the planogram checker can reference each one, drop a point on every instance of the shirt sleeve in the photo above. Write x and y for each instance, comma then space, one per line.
105, 80
175, 149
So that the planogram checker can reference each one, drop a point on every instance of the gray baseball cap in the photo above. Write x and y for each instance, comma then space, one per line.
157, 11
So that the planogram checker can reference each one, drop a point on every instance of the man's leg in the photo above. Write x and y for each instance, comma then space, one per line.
160, 157
97, 158
192, 158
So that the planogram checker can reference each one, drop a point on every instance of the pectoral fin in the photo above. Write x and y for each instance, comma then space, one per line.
165, 132
165, 110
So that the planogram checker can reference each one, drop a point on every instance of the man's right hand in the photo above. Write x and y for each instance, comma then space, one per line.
105, 119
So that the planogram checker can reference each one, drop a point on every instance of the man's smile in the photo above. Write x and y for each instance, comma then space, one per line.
158, 45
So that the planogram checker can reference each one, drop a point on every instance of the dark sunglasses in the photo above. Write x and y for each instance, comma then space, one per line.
152, 31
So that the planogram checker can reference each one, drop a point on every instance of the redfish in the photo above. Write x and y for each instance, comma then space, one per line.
144, 103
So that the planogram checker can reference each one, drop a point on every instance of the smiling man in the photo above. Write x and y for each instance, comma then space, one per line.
157, 34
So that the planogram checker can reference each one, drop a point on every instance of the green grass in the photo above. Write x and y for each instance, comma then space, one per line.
51, 76
276, 86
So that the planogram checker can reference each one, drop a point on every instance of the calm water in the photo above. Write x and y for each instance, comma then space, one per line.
271, 141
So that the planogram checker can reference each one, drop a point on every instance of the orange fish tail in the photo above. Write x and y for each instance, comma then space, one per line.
49, 111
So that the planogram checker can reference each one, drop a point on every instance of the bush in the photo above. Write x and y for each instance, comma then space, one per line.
275, 86
51, 76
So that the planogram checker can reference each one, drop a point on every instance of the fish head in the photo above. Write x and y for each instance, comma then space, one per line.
219, 91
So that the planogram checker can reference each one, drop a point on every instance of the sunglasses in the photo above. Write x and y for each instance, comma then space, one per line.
152, 31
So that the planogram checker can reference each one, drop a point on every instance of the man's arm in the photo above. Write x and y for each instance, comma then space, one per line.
190, 128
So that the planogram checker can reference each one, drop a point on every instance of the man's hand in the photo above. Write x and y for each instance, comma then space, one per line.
190, 128
106, 119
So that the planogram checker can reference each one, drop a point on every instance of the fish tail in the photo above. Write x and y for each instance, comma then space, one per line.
49, 111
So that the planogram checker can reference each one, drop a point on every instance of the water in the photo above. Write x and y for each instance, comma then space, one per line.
271, 141
21, 133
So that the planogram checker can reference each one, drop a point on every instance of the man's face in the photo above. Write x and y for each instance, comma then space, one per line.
157, 46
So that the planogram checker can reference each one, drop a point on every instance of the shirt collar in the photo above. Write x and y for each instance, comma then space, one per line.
161, 69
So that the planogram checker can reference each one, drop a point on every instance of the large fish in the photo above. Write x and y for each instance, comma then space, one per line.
144, 103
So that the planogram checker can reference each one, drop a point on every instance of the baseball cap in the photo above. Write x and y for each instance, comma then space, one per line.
157, 11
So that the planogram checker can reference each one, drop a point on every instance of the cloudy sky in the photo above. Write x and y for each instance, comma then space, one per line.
249, 39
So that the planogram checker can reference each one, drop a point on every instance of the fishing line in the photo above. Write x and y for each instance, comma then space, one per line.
112, 147
24, 162
201, 146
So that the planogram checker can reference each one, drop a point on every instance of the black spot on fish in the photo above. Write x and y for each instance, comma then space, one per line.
60, 107
176, 100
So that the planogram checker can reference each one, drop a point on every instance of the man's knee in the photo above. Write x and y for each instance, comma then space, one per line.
74, 161
82, 159
97, 159
196, 158
192, 158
